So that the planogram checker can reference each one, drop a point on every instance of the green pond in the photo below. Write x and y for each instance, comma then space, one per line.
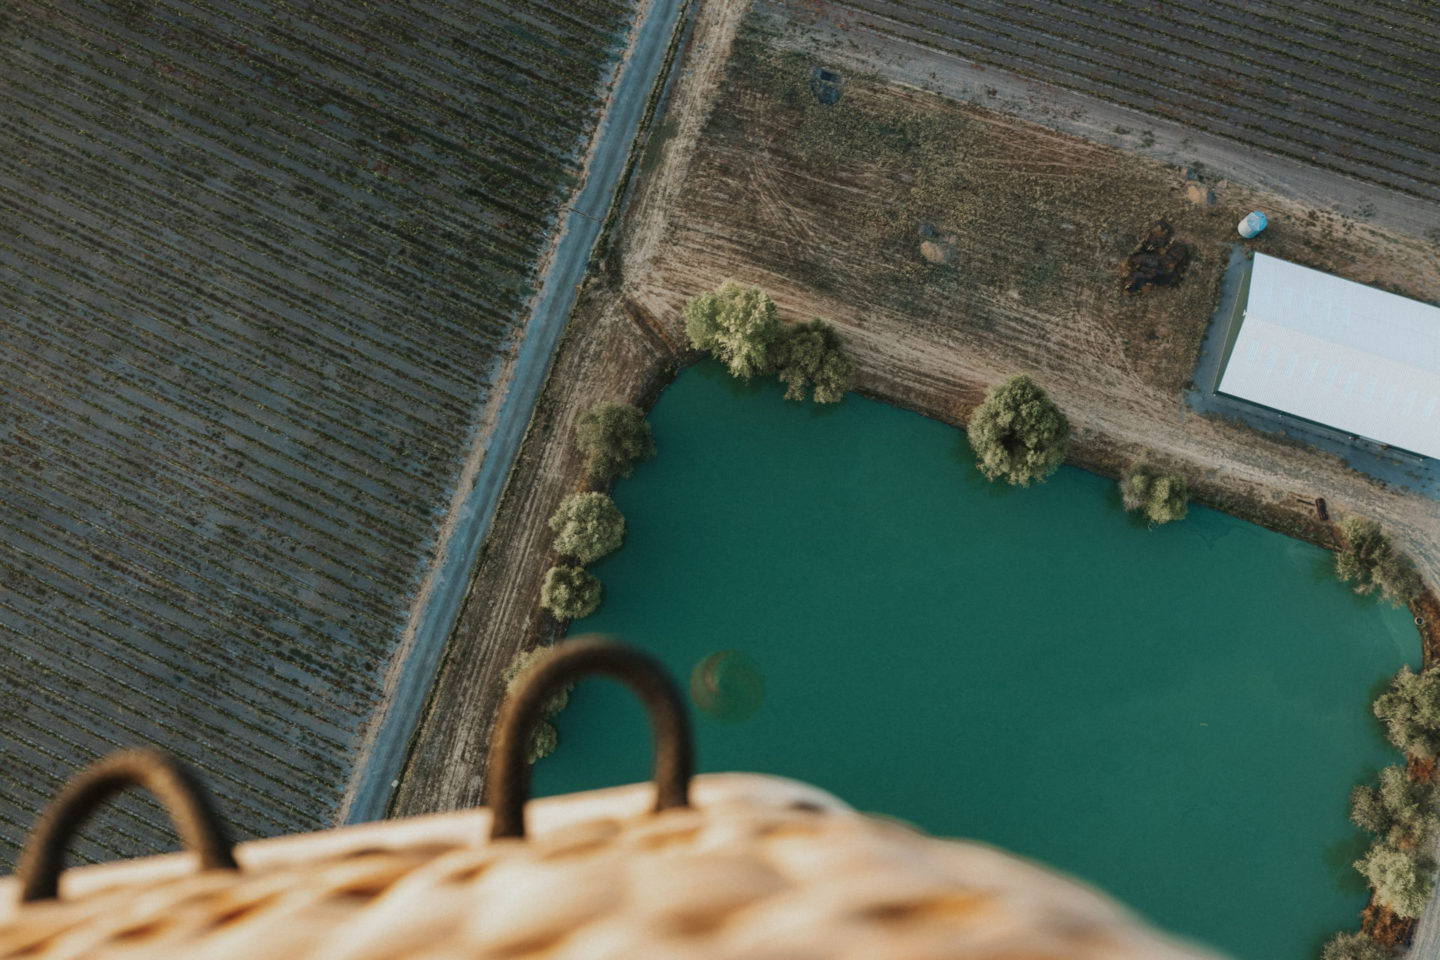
1176, 715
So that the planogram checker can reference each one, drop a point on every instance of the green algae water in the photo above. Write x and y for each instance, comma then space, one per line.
1175, 715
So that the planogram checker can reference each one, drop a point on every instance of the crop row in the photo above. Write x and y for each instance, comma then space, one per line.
1132, 65
1334, 102
259, 270
1271, 71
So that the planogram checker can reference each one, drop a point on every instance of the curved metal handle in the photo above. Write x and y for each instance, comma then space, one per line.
200, 829
508, 772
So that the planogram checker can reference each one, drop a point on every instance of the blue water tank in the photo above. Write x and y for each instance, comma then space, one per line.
1253, 223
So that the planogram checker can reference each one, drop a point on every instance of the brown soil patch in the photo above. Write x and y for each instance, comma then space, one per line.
1427, 617
1159, 261
1385, 927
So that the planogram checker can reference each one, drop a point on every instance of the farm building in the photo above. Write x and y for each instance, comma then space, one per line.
1338, 353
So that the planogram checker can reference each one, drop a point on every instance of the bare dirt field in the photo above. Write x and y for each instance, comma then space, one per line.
952, 246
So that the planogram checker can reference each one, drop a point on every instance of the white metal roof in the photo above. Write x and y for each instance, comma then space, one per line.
1340, 353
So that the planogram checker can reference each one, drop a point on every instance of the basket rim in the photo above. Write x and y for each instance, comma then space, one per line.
459, 828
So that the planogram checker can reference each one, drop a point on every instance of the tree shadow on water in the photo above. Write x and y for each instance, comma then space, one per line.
970, 476
1340, 858
1116, 502
712, 369
819, 411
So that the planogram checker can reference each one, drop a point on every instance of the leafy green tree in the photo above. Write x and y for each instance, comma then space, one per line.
1368, 811
1403, 812
813, 353
588, 526
736, 324
1404, 879
545, 736
570, 592
1018, 433
1160, 498
1169, 499
1354, 946
1372, 562
1410, 710
613, 437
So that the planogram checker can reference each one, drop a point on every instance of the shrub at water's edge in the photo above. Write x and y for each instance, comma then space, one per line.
1410, 710
813, 354
1018, 433
524, 661
1403, 879
1403, 812
737, 324
545, 736
741, 327
1403, 815
570, 593
1371, 560
588, 526
1160, 499
613, 437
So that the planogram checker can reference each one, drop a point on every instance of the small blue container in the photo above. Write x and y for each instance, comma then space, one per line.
1252, 224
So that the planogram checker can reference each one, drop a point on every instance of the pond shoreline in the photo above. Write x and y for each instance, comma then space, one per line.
548, 468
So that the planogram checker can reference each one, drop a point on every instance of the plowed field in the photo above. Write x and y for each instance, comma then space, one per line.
259, 267
1351, 87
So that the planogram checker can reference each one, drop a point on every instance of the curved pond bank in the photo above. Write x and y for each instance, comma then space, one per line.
1176, 715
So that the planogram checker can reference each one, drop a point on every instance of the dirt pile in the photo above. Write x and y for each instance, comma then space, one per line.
1159, 261
936, 252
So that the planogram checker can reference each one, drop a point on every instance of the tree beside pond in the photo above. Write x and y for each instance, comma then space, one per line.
588, 526
1370, 560
1403, 879
1410, 710
813, 354
1405, 813
613, 437
570, 593
1160, 499
1018, 433
737, 324
1354, 946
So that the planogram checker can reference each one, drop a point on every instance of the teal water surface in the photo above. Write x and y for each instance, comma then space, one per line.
1176, 715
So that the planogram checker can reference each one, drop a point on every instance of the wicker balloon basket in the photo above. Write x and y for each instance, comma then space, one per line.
717, 866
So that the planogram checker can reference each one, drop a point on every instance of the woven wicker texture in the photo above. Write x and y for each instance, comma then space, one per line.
758, 868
